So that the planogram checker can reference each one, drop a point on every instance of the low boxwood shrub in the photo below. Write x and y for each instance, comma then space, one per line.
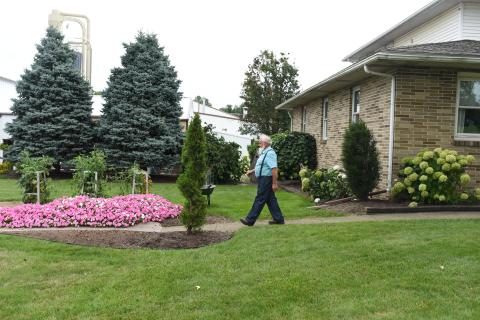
435, 177
84, 176
294, 150
28, 168
325, 184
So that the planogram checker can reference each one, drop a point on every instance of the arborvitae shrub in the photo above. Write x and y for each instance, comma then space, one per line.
190, 181
360, 160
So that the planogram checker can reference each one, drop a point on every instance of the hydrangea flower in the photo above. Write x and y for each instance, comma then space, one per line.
446, 167
422, 187
464, 178
416, 161
410, 190
303, 173
424, 194
437, 175
429, 170
398, 187
456, 166
305, 184
440, 161
464, 196
442, 198
450, 158
336, 167
412, 204
423, 178
408, 170
423, 165
470, 159
463, 162
407, 182
443, 154
443, 178
437, 150
413, 177
427, 155
318, 174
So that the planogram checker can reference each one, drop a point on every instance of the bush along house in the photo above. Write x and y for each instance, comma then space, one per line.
416, 86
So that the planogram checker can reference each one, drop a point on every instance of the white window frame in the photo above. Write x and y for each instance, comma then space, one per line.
325, 119
457, 135
303, 124
355, 115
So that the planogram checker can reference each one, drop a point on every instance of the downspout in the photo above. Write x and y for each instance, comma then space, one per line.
291, 120
392, 123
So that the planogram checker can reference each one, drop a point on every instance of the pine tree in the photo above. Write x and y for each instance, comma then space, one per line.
140, 120
54, 105
360, 159
194, 161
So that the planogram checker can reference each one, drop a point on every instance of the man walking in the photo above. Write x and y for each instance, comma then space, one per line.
266, 171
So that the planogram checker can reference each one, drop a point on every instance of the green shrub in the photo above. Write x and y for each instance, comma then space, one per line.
190, 181
6, 167
325, 184
435, 177
223, 158
126, 179
294, 149
360, 160
84, 176
28, 168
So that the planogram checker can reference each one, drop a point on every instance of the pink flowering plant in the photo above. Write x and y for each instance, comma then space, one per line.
83, 211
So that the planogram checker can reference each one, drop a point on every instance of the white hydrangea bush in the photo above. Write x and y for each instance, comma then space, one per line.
436, 177
324, 184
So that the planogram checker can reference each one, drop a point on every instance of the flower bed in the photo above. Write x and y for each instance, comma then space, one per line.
117, 212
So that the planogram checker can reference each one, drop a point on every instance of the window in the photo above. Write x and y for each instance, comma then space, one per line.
304, 119
355, 104
468, 107
325, 119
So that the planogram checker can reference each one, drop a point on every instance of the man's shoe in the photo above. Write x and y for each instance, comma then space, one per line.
276, 222
245, 222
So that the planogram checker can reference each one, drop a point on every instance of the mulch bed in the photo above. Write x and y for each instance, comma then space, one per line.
359, 207
123, 239
175, 222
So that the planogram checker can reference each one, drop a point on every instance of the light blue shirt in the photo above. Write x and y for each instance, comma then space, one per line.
269, 163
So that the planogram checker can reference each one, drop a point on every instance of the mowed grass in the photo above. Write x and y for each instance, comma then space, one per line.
233, 201
375, 270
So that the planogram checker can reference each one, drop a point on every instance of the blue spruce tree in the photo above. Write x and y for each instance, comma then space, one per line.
140, 118
54, 105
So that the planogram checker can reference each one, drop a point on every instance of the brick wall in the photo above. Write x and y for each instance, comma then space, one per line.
425, 114
374, 102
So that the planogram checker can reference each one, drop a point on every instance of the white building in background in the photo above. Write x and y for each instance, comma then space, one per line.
224, 124
7, 93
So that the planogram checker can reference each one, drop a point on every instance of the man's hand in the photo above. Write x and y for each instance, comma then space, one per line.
250, 172
274, 187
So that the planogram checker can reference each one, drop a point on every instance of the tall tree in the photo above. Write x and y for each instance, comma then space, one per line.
236, 110
54, 105
194, 161
269, 81
140, 119
202, 100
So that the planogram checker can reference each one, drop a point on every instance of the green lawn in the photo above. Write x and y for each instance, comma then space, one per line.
378, 270
232, 201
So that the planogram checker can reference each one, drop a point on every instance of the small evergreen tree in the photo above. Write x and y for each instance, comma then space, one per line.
140, 120
54, 105
360, 160
194, 161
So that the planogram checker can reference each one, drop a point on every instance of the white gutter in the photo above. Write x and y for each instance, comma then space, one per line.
392, 122
291, 120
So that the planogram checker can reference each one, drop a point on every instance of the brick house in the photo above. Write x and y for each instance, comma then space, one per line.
416, 86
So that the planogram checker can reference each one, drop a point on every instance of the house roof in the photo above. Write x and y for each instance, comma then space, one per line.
418, 18
465, 48
457, 54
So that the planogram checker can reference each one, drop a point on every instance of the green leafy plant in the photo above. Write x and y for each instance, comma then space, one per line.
127, 178
325, 184
84, 177
223, 158
194, 161
28, 167
435, 177
360, 160
294, 150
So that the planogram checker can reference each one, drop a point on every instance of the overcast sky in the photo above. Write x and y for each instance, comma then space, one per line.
210, 43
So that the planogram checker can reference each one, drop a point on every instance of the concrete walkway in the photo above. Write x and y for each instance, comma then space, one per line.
234, 226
